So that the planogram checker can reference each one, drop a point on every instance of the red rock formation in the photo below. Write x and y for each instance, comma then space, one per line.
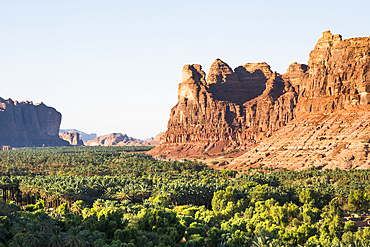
314, 114
322, 140
72, 137
23, 124
232, 109
331, 126
338, 77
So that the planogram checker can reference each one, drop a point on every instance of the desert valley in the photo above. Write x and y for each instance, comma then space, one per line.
250, 157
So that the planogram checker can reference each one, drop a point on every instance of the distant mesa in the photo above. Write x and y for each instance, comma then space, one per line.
72, 137
23, 124
313, 115
84, 136
119, 139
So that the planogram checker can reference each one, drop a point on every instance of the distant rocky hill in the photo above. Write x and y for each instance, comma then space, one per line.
23, 124
153, 141
72, 137
315, 114
118, 139
84, 136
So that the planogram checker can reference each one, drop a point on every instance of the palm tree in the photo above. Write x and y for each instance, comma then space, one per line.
77, 207
44, 222
20, 226
18, 241
123, 194
35, 237
75, 238
57, 237
261, 241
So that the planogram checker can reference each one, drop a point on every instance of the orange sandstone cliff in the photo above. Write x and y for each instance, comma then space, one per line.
315, 114
231, 109
331, 126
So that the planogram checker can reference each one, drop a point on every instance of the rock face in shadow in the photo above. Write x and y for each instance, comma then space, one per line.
23, 124
315, 114
72, 137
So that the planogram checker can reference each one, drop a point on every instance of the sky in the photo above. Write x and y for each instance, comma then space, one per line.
114, 66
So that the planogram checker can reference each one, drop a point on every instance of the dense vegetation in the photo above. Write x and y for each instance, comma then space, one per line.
113, 197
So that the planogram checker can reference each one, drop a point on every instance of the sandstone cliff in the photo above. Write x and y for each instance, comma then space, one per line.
320, 108
331, 126
338, 77
23, 124
231, 109
72, 137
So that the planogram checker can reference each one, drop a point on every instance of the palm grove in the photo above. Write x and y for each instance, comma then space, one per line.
109, 196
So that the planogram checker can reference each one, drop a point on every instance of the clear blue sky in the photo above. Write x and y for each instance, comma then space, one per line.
114, 66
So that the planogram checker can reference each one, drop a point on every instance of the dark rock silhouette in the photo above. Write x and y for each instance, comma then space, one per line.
23, 124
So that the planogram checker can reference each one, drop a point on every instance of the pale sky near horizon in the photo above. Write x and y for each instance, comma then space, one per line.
114, 66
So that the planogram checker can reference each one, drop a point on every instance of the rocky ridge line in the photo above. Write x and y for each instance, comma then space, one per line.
119, 139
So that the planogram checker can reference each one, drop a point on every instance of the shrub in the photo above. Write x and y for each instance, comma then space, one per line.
30, 207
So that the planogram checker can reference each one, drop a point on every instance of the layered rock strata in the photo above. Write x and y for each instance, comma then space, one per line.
23, 124
231, 109
338, 76
331, 115
253, 108
322, 140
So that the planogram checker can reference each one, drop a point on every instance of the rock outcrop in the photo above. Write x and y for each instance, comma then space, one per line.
153, 141
23, 124
338, 76
322, 140
331, 126
232, 109
319, 108
72, 137
83, 135
118, 139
